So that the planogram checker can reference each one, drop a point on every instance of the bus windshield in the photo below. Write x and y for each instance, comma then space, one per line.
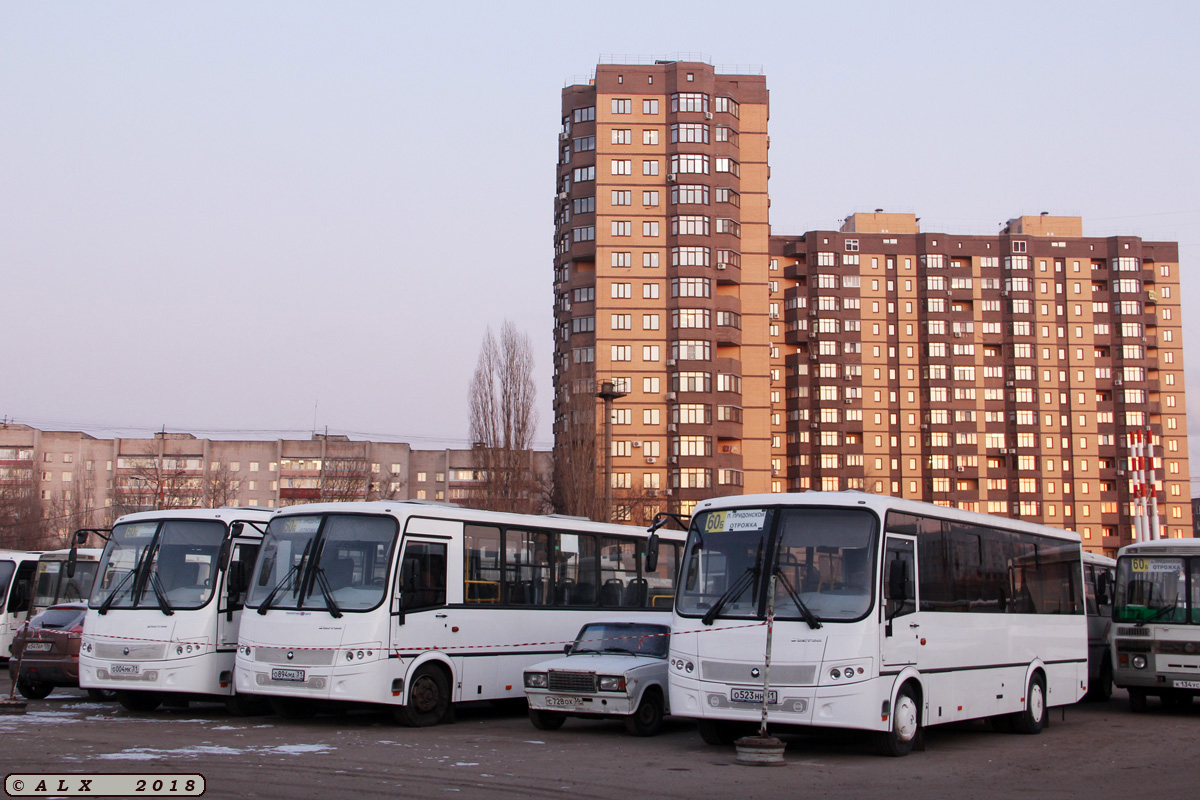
165, 564
7, 570
53, 585
1153, 589
822, 560
337, 562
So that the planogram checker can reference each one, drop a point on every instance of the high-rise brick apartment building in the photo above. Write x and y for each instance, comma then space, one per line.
1001, 373
661, 281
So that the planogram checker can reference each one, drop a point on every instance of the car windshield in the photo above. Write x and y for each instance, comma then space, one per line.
337, 562
59, 618
1154, 589
175, 562
632, 638
822, 560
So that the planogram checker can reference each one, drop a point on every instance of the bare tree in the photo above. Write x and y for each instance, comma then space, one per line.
222, 487
502, 421
343, 480
386, 486
72, 507
577, 489
152, 483
22, 524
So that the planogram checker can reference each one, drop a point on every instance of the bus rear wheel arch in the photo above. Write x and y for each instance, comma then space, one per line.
428, 701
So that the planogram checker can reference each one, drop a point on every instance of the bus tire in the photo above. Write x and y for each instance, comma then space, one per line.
1137, 701
647, 720
1034, 717
1101, 690
139, 701
102, 695
293, 707
546, 720
34, 690
428, 698
719, 732
905, 726
246, 705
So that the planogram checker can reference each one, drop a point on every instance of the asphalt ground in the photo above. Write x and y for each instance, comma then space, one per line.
1091, 750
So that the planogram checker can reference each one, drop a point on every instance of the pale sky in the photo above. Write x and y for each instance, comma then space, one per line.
247, 219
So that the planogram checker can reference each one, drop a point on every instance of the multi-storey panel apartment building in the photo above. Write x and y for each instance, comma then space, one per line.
1006, 374
661, 280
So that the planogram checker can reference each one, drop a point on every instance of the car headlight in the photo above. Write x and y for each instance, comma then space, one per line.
535, 680
1138, 661
612, 683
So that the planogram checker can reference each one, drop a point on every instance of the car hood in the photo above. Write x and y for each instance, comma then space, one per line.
607, 663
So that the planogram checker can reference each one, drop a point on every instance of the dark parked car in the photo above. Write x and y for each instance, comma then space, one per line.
47, 651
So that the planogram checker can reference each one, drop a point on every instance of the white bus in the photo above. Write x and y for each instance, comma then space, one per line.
1098, 573
421, 605
63, 578
162, 621
1156, 616
890, 615
17, 570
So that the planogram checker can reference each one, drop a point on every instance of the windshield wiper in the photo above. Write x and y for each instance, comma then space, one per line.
160, 595
1159, 613
619, 650
323, 582
112, 597
808, 615
735, 589
265, 605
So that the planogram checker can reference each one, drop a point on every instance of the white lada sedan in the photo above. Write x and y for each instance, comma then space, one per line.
615, 668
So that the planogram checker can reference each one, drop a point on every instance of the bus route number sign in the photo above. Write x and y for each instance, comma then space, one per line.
732, 521
1156, 564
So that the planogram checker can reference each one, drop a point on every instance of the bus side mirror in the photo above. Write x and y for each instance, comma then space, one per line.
236, 578
652, 553
223, 554
80, 538
72, 560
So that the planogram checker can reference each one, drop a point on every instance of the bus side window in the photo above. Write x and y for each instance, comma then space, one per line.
423, 576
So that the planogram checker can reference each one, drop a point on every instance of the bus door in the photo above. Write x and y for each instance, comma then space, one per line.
237, 583
419, 619
899, 628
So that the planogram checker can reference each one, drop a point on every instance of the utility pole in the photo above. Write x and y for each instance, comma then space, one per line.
608, 393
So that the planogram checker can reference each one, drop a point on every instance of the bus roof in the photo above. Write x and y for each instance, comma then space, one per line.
1162, 547
880, 503
406, 508
222, 514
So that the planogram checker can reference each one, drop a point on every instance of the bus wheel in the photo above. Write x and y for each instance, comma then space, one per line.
246, 705
428, 698
101, 695
719, 732
293, 707
138, 701
546, 720
647, 720
906, 726
1137, 701
1101, 690
1033, 718
33, 690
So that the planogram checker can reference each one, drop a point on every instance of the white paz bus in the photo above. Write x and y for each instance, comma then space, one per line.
162, 621
420, 605
1156, 617
890, 615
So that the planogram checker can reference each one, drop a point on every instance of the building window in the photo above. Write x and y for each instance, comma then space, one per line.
622, 166
622, 136
622, 198
622, 352
622, 228
650, 107
689, 101
650, 136
650, 167
622, 106
650, 198
650, 228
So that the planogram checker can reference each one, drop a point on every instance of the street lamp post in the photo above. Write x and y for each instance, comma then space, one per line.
608, 393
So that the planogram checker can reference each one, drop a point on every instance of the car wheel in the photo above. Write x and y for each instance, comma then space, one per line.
905, 726
647, 720
139, 701
1034, 717
546, 720
32, 690
428, 698
102, 695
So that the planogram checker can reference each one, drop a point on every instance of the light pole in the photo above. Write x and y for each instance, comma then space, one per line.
608, 393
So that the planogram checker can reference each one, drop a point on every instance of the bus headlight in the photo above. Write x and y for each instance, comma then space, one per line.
612, 683
535, 680
1138, 661
683, 665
